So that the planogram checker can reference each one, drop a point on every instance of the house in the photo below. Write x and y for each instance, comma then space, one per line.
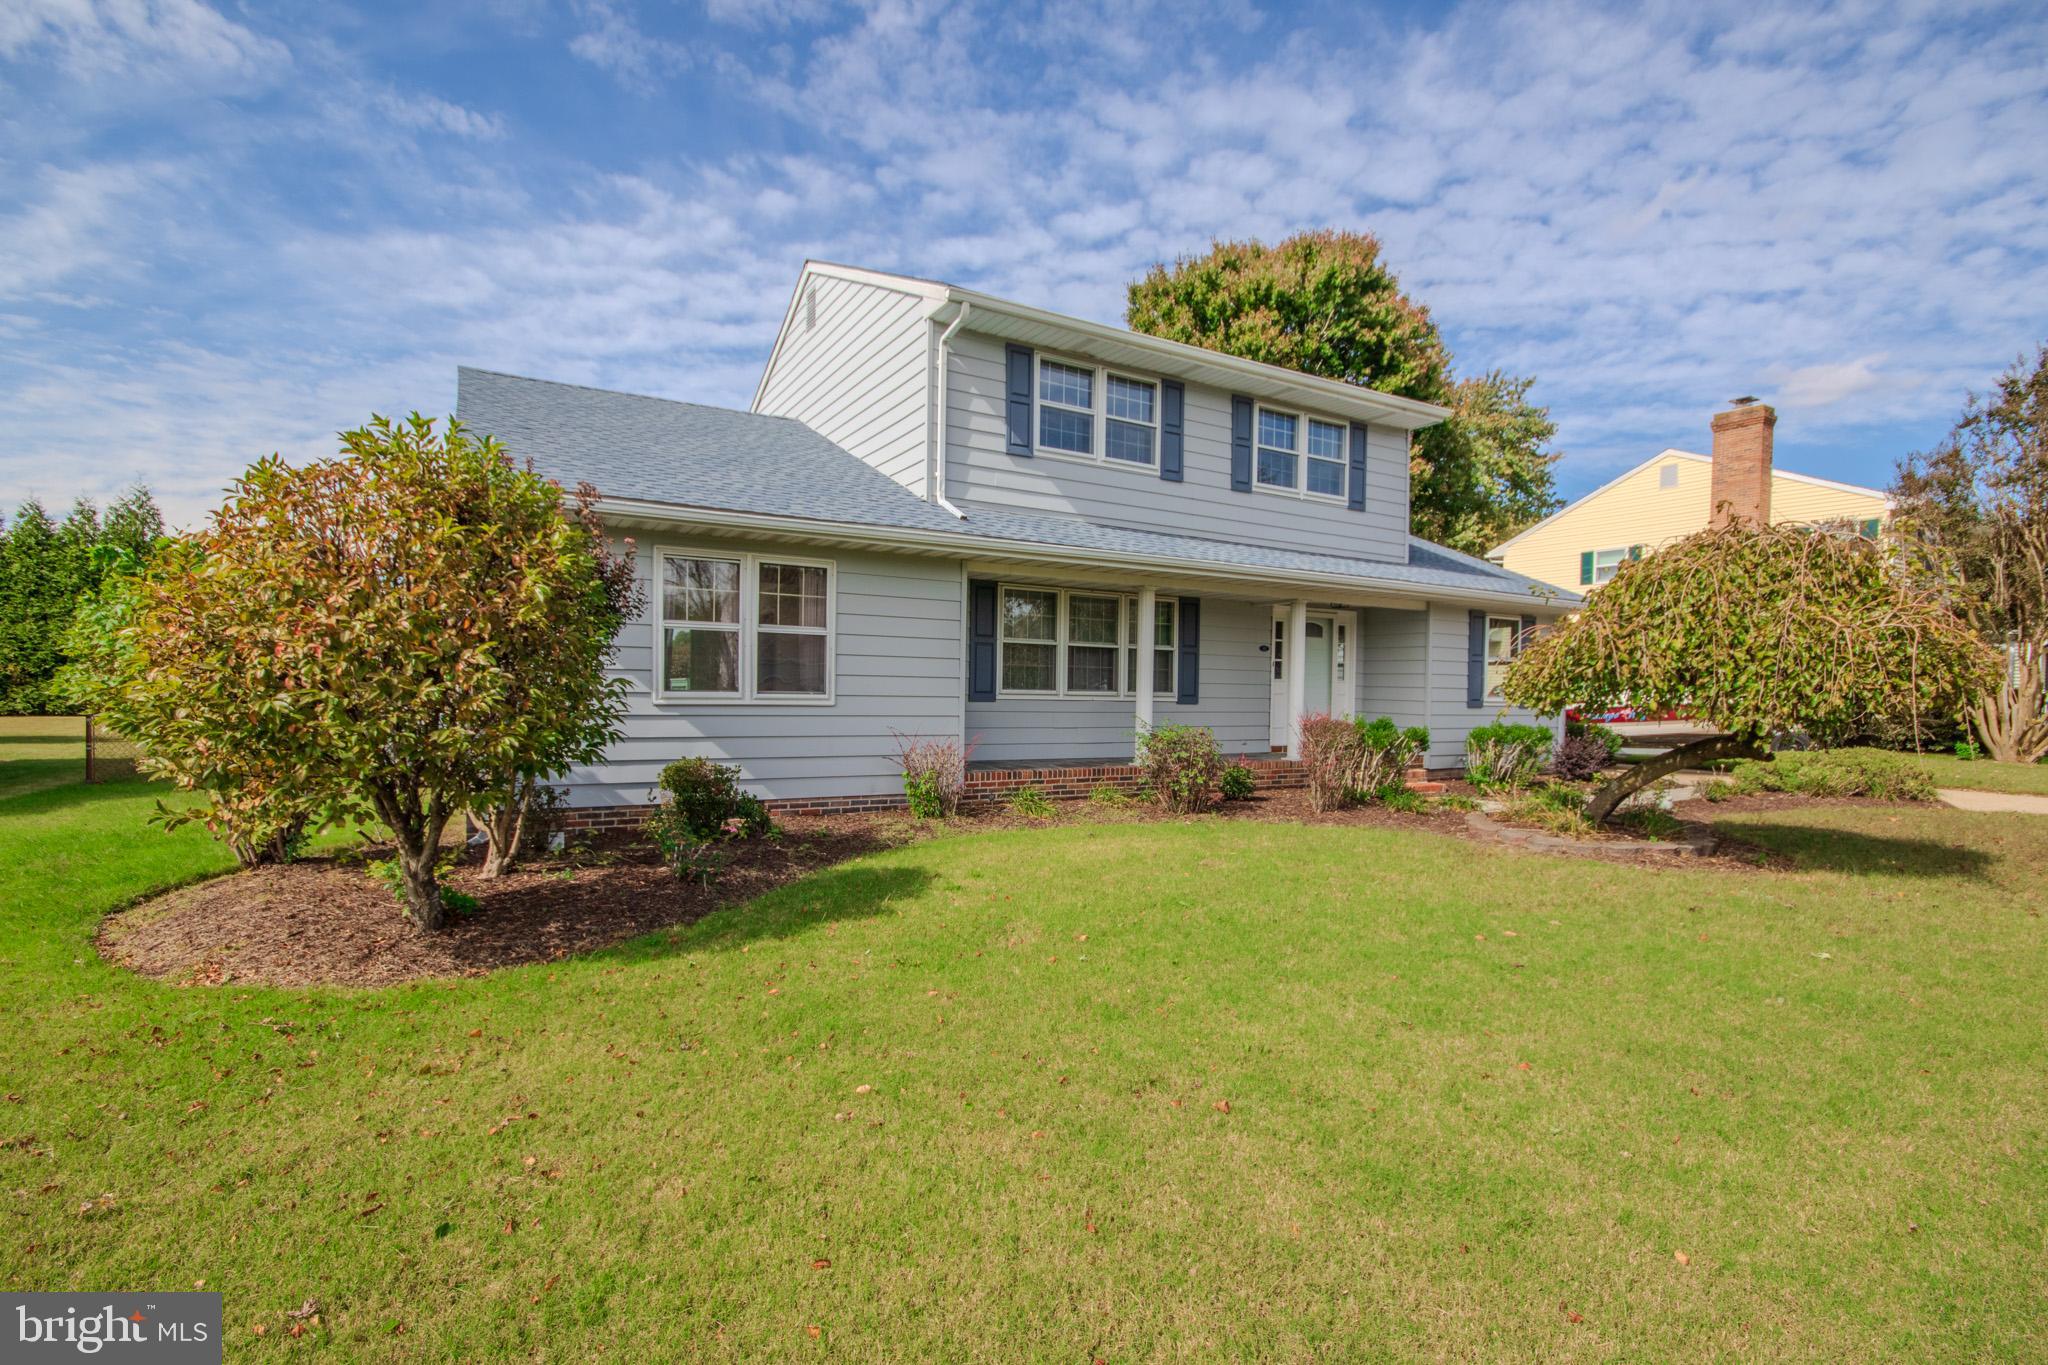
1675, 493
949, 515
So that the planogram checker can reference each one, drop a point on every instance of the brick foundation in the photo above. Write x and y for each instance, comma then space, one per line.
1061, 784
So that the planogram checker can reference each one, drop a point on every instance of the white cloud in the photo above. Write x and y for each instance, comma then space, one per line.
430, 113
140, 39
615, 44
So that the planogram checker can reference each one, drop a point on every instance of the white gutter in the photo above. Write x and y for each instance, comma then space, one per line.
936, 479
985, 547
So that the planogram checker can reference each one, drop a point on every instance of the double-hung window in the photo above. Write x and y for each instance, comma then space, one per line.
1503, 641
1122, 426
1299, 454
732, 627
1130, 430
1057, 643
1066, 408
1165, 617
1605, 562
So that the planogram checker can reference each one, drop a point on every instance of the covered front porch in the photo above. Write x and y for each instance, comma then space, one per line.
1067, 669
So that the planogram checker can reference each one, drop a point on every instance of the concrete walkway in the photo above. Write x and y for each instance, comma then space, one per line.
1963, 799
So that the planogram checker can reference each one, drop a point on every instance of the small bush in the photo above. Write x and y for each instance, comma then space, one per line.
1651, 822
1403, 800
934, 775
1032, 804
703, 808
1237, 783
1838, 772
1182, 766
1608, 739
1578, 758
1504, 757
1112, 798
1357, 760
1561, 810
1967, 750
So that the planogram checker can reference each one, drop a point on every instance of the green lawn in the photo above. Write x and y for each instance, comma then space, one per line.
1478, 1102
1984, 775
40, 751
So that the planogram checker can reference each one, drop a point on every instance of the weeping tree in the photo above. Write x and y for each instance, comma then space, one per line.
413, 629
1756, 631
1973, 514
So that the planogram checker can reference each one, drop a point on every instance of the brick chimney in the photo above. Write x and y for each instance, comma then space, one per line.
1742, 463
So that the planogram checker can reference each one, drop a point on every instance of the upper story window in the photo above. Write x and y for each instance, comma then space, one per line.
734, 627
1606, 562
1069, 413
1301, 454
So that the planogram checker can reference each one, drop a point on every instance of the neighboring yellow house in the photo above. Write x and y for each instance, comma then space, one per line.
1666, 498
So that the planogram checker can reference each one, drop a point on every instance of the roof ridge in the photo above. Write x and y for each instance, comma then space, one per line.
461, 370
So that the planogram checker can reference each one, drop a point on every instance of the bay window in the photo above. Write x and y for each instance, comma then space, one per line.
733, 627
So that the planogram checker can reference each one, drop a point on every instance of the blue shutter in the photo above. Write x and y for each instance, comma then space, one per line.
1357, 469
1240, 445
1475, 660
1173, 402
1019, 406
1190, 641
981, 641
1528, 630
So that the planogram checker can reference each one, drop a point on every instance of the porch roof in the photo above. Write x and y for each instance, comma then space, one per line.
685, 462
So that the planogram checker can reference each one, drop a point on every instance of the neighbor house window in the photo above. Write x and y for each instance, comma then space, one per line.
744, 626
1165, 616
1130, 428
1605, 562
1066, 407
700, 626
1503, 639
1301, 454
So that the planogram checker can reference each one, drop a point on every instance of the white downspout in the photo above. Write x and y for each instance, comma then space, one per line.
938, 480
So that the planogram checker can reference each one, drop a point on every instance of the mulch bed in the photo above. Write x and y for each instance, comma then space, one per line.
324, 922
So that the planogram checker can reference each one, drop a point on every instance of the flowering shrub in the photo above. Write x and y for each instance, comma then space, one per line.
1182, 766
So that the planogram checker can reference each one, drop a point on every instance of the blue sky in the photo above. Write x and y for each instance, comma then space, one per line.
235, 229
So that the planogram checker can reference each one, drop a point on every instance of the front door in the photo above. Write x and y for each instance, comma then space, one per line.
1316, 682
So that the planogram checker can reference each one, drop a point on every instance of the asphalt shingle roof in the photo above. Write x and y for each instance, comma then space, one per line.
658, 450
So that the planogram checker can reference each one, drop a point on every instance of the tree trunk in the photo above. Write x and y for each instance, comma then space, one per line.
1612, 793
2011, 721
505, 830
416, 829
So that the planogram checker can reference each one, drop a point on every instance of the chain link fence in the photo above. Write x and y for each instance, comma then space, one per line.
107, 754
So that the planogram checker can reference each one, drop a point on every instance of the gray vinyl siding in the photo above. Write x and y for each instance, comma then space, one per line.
859, 377
1235, 696
1450, 719
979, 470
897, 649
1393, 666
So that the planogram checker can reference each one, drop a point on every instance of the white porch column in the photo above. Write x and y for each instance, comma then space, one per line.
1142, 684
1297, 674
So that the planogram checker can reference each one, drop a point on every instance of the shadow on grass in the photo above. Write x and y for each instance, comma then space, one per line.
1836, 850
9, 741
40, 786
835, 894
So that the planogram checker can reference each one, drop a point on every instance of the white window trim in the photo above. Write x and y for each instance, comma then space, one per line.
1172, 651
1098, 416
749, 631
1126, 607
1514, 623
1300, 489
1621, 551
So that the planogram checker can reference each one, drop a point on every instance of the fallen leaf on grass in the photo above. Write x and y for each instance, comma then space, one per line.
1681, 1258
1521, 1066
305, 1310
822, 1263
1223, 1106
814, 1329
863, 1090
